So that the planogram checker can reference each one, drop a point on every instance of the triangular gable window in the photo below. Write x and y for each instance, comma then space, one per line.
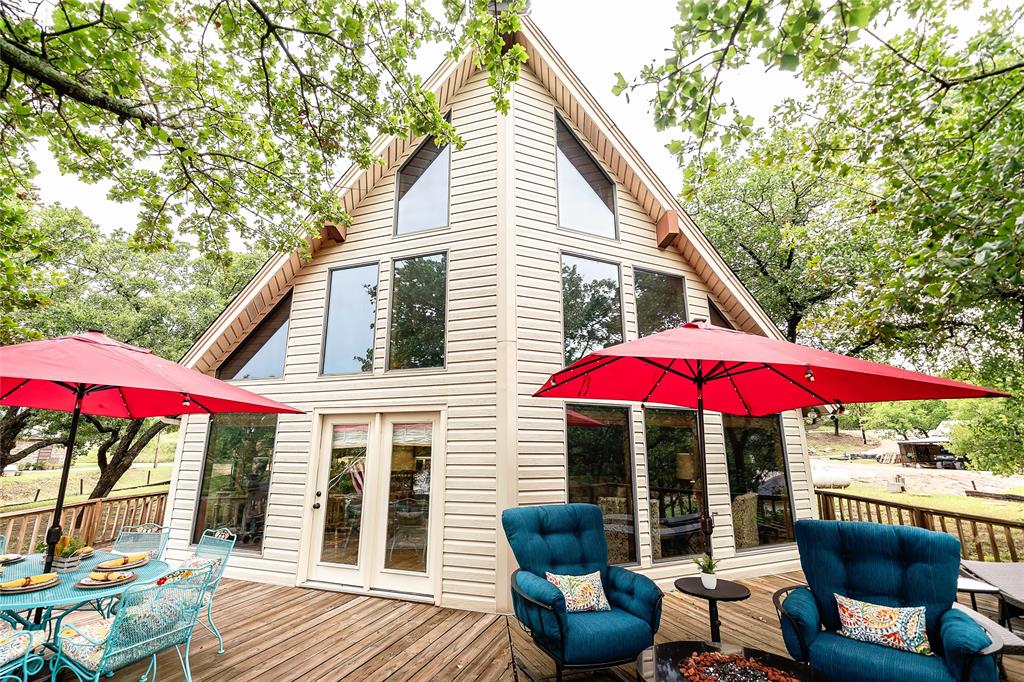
717, 317
423, 190
586, 195
261, 354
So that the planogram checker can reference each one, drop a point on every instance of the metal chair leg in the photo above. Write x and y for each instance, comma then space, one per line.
213, 628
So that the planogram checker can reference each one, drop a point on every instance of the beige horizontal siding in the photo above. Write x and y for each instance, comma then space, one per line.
541, 456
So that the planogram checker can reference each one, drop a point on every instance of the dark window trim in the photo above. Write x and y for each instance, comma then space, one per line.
391, 306
655, 271
632, 460
561, 293
398, 178
199, 488
327, 311
259, 325
685, 558
615, 187
789, 489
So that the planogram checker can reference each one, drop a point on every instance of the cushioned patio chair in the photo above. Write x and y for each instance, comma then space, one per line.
214, 546
147, 537
891, 566
19, 652
150, 618
569, 539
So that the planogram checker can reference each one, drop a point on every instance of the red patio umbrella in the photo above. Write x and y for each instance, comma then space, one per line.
93, 374
703, 366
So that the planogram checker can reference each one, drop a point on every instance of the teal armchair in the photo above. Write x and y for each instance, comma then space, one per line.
569, 539
891, 566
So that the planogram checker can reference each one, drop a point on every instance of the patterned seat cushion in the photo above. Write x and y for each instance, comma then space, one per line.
14, 643
80, 649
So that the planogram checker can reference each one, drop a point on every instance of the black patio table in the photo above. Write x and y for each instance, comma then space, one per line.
725, 590
660, 663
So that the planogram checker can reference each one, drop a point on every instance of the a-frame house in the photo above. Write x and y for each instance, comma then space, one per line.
414, 340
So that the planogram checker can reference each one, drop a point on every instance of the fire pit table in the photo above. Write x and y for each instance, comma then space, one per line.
693, 661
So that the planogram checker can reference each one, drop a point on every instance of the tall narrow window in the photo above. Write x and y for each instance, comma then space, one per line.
600, 468
236, 476
418, 293
351, 318
261, 354
586, 195
591, 307
660, 301
423, 190
717, 317
676, 483
762, 511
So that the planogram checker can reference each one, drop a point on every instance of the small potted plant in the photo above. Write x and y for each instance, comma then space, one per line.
707, 571
66, 557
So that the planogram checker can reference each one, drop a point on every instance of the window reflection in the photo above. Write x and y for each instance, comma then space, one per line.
660, 301
586, 196
762, 511
409, 496
261, 355
236, 476
676, 483
600, 471
418, 295
344, 512
423, 190
591, 309
351, 318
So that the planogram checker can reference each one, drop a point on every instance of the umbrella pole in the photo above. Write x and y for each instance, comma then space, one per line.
55, 531
707, 523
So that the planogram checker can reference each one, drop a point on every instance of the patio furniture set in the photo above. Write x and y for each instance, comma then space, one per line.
144, 606
879, 604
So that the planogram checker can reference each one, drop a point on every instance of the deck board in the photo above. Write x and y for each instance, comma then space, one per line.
290, 633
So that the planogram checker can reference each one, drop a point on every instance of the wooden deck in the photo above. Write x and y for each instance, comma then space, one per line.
288, 633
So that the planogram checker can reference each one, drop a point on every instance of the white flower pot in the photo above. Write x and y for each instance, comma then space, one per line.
66, 564
709, 580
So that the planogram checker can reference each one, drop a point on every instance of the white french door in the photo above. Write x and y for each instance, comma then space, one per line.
374, 506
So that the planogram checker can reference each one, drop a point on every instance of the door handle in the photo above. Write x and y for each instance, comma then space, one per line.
316, 505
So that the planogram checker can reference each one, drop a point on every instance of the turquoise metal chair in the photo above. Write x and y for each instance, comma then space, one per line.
147, 537
18, 658
216, 546
151, 618
3, 543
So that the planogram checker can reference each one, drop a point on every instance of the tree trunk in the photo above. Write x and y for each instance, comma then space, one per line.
12, 424
118, 456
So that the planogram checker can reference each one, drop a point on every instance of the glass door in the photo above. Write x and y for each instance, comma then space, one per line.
403, 559
338, 520
373, 507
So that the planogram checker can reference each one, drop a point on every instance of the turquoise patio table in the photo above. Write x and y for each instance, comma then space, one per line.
64, 597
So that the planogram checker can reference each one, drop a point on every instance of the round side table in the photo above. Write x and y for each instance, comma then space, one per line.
725, 590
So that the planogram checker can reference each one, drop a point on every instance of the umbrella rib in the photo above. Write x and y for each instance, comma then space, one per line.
124, 401
193, 399
738, 393
824, 401
7, 395
555, 383
668, 369
658, 382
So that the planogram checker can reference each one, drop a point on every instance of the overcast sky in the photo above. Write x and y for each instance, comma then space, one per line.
595, 38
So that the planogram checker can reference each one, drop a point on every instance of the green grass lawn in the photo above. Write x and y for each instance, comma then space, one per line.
21, 490
1010, 511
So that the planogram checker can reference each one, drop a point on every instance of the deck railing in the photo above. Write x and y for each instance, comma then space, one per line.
981, 538
95, 522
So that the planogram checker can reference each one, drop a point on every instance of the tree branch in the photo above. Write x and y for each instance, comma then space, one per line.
67, 86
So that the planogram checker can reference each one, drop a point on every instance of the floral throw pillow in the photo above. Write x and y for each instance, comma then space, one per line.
899, 628
582, 592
